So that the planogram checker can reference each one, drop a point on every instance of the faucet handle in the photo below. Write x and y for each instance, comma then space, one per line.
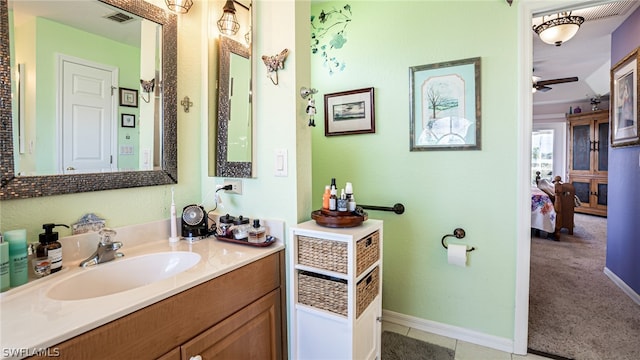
105, 236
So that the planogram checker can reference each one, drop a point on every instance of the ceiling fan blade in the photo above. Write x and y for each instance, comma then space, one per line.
556, 81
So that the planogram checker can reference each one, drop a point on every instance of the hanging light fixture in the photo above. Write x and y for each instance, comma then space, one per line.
228, 23
559, 28
179, 6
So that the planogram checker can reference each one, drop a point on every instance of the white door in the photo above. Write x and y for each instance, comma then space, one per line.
88, 127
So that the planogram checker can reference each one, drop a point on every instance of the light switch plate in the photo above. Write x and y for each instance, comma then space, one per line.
280, 163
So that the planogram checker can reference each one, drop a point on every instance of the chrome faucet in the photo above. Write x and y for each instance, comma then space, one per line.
106, 251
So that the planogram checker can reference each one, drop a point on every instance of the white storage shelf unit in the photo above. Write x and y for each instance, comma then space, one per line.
336, 292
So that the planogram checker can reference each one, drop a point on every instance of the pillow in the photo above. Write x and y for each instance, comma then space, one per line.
546, 186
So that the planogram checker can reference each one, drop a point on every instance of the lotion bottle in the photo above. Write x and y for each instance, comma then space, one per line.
18, 263
325, 197
342, 201
50, 248
5, 280
333, 200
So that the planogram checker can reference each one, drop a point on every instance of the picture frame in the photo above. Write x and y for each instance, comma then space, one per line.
128, 97
349, 112
128, 120
624, 128
445, 105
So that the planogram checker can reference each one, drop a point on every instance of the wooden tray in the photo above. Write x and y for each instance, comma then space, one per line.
337, 219
270, 240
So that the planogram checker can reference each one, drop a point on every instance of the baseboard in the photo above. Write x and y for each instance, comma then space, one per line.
450, 331
622, 285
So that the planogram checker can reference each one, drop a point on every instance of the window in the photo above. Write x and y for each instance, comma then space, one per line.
542, 154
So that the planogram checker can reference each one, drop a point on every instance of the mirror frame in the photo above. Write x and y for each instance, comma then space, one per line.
22, 187
223, 167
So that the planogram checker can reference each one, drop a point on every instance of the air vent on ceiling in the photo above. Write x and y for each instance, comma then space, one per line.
618, 8
603, 11
119, 17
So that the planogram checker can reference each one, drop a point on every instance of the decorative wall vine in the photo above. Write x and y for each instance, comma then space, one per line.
328, 35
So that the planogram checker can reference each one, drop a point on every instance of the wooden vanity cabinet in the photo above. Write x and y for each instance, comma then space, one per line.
238, 315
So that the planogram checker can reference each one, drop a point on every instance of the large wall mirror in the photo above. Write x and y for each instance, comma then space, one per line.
75, 116
234, 126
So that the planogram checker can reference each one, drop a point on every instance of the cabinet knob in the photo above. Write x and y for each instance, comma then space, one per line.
197, 357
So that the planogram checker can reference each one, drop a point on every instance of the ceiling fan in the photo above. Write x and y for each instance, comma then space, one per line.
541, 85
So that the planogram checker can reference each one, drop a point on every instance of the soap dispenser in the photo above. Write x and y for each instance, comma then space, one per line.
50, 248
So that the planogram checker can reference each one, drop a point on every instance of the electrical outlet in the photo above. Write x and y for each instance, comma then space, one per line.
236, 186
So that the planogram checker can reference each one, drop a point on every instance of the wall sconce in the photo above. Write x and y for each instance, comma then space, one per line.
179, 6
147, 88
305, 92
228, 23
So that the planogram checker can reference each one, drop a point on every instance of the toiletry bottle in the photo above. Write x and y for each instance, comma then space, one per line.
41, 265
333, 183
351, 203
225, 226
257, 233
241, 228
50, 248
18, 263
333, 200
342, 201
5, 281
348, 189
325, 197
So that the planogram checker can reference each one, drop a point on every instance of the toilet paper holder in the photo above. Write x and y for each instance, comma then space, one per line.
458, 233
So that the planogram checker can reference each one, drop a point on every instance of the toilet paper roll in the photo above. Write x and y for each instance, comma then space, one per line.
457, 255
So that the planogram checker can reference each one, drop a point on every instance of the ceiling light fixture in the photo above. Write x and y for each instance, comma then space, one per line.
228, 23
558, 28
179, 6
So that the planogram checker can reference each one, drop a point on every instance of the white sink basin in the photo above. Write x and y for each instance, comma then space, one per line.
122, 275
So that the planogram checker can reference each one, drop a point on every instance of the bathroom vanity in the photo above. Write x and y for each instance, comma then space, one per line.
218, 318
231, 304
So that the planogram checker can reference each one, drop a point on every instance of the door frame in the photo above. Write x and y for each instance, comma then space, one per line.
60, 59
526, 9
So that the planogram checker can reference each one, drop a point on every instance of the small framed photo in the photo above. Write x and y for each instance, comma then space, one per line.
128, 97
625, 130
349, 112
128, 120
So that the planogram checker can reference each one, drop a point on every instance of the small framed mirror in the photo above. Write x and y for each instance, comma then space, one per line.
231, 145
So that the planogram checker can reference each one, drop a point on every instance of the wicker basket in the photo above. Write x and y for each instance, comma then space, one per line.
323, 292
328, 293
367, 290
367, 252
332, 255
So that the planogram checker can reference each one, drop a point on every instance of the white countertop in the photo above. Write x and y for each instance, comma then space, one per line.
31, 321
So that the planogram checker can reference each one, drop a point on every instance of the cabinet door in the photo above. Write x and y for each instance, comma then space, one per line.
601, 161
599, 189
252, 333
592, 193
581, 147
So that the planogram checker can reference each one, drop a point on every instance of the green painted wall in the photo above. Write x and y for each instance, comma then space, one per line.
441, 190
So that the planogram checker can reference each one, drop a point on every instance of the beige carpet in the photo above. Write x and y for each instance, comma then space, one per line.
575, 310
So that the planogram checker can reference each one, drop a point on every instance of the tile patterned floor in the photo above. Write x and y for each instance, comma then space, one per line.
463, 350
